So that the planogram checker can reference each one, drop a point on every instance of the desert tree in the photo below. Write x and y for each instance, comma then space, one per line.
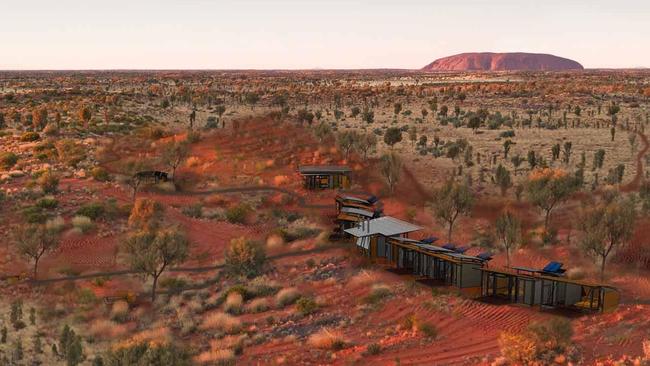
508, 230
174, 154
507, 144
391, 169
606, 227
413, 134
39, 118
346, 140
474, 123
220, 110
85, 114
322, 131
502, 179
397, 108
599, 159
566, 157
366, 143
368, 116
450, 201
251, 99
555, 152
546, 188
34, 241
516, 162
392, 136
152, 252
192, 118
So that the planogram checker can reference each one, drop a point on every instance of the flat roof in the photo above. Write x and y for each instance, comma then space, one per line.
353, 199
548, 278
318, 169
357, 211
385, 225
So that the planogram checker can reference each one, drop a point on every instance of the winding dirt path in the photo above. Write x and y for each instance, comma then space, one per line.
636, 182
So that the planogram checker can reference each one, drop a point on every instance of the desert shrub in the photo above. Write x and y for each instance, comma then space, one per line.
55, 224
507, 134
261, 286
517, 348
50, 130
286, 296
234, 302
34, 215
148, 353
120, 311
146, 214
306, 305
373, 349
221, 321
298, 233
327, 339
173, 284
8, 160
378, 293
100, 174
428, 329
93, 210
193, 136
49, 182
195, 210
47, 202
258, 306
237, 214
86, 296
541, 341
245, 258
29, 136
218, 357
82, 223
70, 151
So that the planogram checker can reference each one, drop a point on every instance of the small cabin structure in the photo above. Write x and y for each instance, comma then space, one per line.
371, 235
151, 176
548, 291
325, 176
354, 201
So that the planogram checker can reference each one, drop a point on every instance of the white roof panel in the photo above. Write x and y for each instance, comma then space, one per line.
386, 226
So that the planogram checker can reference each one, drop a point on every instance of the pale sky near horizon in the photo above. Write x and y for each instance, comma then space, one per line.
294, 34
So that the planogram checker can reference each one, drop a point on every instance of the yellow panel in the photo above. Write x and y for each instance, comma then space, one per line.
610, 301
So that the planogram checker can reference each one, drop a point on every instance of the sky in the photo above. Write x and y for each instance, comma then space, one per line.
308, 34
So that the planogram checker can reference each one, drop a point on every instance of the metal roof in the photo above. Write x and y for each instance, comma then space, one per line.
319, 169
386, 226
357, 211
354, 199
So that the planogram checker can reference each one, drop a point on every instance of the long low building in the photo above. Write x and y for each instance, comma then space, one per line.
536, 289
386, 239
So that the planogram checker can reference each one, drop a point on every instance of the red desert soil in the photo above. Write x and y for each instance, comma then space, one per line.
511, 61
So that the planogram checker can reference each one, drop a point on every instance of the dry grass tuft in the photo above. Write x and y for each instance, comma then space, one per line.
327, 339
221, 321
107, 329
221, 357
154, 337
234, 302
120, 310
286, 296
258, 306
362, 279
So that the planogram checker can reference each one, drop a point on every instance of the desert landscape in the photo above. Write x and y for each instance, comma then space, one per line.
229, 259
247, 182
